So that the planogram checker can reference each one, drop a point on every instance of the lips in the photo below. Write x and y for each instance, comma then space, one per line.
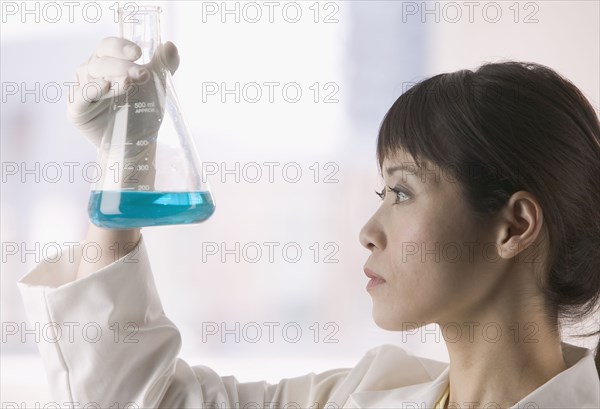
369, 273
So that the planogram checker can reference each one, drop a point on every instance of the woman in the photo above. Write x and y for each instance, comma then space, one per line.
489, 227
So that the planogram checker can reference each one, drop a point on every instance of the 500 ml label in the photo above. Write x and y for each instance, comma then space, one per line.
143, 107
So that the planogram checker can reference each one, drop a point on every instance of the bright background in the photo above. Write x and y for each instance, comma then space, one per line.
371, 53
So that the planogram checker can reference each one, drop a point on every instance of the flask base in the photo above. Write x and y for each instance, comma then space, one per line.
117, 209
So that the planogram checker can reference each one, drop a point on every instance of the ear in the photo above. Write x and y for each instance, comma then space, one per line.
519, 225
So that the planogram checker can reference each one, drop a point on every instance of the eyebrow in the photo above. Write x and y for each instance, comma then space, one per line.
414, 169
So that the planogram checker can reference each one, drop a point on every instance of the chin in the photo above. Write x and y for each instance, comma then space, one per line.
387, 322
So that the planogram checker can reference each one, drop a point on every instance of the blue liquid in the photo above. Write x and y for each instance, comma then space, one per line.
131, 209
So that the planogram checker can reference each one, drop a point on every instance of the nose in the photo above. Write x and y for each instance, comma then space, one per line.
371, 235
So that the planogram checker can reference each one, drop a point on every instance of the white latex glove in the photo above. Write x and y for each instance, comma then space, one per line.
106, 75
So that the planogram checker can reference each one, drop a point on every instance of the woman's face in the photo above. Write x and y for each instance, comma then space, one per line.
427, 247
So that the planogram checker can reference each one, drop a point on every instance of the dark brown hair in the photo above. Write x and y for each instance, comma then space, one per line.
511, 126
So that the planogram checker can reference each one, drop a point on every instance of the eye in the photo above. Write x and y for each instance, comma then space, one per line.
399, 194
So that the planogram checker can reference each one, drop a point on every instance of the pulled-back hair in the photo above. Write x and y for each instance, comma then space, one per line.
516, 126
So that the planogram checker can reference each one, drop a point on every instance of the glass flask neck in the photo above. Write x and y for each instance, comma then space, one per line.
141, 25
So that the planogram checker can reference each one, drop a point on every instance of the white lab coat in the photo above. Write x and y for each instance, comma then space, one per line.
150, 374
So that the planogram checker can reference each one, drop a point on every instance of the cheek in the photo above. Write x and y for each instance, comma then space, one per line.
429, 250
423, 282
430, 268
420, 234
415, 264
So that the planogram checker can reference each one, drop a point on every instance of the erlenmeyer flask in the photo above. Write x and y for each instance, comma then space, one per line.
151, 172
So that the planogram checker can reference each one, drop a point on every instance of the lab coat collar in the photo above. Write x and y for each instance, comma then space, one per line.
576, 387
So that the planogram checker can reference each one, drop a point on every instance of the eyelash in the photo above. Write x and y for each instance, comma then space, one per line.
395, 190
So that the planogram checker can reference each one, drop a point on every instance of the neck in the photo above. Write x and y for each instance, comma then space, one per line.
505, 350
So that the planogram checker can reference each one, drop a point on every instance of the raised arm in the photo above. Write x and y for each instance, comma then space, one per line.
114, 244
107, 340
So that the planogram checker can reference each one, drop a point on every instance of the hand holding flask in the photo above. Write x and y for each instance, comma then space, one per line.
150, 170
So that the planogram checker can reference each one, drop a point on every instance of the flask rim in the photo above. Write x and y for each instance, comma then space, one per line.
140, 10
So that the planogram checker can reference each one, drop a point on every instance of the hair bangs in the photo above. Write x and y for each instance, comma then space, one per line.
422, 123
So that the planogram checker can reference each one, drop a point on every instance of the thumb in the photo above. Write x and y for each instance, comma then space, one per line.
167, 55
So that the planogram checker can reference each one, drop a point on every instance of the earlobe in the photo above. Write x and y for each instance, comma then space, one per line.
523, 218
508, 246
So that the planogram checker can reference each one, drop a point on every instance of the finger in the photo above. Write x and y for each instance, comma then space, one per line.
117, 47
109, 67
170, 55
166, 55
94, 90
118, 87
88, 89
85, 106
91, 92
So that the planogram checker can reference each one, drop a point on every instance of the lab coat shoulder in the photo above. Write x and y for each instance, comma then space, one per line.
130, 353
384, 367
